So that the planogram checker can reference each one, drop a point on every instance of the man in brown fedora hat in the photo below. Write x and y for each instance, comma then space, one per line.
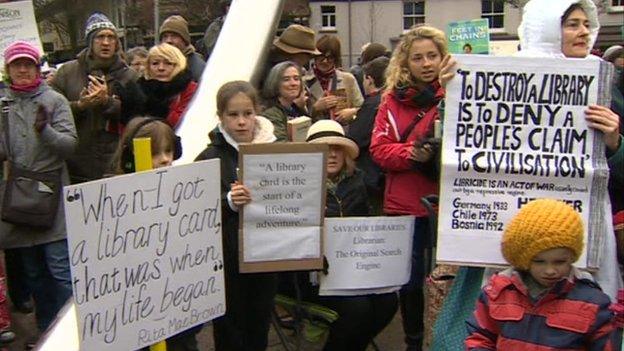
297, 43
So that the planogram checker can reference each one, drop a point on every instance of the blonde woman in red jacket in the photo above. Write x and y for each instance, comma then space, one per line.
401, 144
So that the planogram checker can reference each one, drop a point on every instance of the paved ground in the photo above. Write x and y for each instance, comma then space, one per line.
389, 340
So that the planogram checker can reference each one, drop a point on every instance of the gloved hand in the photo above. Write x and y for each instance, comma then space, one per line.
42, 119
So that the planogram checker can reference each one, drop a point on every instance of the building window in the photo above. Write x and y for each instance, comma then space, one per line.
494, 11
617, 3
413, 13
328, 17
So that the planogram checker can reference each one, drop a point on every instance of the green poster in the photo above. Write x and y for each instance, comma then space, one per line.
468, 37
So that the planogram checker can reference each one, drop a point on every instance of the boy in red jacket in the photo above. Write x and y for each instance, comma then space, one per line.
542, 302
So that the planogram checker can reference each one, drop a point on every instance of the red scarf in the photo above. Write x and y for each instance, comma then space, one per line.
324, 77
422, 97
27, 87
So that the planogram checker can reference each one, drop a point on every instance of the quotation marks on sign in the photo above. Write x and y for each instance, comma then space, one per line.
218, 265
71, 196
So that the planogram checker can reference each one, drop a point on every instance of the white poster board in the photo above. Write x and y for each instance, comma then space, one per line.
17, 22
365, 253
284, 220
145, 255
515, 130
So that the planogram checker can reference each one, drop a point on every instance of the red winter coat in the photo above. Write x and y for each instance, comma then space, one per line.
573, 315
179, 105
405, 185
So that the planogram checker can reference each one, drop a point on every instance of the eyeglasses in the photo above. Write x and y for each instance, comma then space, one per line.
328, 58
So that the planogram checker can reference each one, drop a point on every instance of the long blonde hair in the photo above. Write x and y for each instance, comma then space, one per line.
169, 53
398, 73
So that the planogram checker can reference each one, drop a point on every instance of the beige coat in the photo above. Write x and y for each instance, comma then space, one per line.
344, 81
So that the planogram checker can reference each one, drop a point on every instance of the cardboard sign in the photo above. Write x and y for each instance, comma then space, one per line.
145, 255
280, 229
367, 253
513, 135
17, 22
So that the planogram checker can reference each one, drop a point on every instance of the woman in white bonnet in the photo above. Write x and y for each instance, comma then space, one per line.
558, 29
568, 29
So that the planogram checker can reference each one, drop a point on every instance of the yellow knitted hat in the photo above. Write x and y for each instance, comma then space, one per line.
541, 225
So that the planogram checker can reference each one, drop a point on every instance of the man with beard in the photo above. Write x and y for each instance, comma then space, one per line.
102, 91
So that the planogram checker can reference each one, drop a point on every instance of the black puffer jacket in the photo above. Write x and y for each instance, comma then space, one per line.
350, 198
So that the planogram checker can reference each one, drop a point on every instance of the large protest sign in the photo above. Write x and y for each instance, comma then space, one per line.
512, 135
474, 34
17, 22
364, 253
280, 229
145, 254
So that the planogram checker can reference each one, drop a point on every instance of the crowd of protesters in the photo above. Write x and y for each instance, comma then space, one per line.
378, 119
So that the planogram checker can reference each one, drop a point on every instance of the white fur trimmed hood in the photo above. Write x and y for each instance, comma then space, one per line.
540, 30
263, 133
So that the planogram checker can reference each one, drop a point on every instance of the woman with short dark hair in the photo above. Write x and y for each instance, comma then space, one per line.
334, 93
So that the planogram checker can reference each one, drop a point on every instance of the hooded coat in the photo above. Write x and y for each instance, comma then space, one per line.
540, 36
540, 30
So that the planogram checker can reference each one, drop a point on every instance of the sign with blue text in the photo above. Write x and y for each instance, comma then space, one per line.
515, 130
145, 255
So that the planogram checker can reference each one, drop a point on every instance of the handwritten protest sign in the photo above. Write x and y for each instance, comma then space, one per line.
474, 34
283, 222
145, 255
17, 22
512, 135
366, 253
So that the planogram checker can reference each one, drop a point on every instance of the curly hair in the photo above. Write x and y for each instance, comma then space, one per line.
398, 73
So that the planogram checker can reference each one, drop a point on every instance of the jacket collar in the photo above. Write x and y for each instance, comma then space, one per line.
263, 133
117, 64
512, 277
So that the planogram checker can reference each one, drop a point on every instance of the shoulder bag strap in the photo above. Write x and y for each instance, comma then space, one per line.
5, 125
411, 126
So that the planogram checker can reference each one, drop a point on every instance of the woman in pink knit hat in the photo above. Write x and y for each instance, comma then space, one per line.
38, 135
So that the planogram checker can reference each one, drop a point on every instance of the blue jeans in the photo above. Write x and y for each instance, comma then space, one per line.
47, 274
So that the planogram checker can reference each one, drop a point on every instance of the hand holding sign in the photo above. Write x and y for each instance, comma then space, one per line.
606, 121
447, 70
240, 194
